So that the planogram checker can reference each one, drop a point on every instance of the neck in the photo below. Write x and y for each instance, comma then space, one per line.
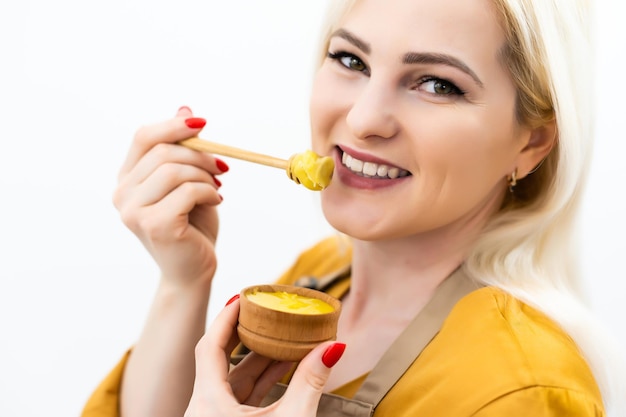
399, 276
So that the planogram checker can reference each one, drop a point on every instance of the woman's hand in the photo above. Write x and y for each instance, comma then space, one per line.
220, 393
167, 196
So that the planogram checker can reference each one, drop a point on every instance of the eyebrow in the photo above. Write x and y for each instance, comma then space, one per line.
440, 59
412, 57
353, 39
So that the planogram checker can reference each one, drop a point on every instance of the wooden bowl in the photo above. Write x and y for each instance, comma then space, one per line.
280, 335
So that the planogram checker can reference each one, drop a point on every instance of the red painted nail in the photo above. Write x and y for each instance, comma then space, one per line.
217, 182
333, 354
195, 122
233, 299
221, 198
221, 165
184, 108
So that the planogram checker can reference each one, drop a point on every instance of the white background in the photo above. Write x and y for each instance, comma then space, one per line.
76, 80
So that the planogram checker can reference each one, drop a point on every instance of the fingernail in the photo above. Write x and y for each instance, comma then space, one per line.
184, 108
221, 198
333, 354
195, 122
217, 182
232, 300
221, 165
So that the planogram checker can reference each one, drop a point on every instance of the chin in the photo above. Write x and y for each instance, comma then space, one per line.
356, 224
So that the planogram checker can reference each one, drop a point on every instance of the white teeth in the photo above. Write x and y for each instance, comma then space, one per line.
356, 165
370, 169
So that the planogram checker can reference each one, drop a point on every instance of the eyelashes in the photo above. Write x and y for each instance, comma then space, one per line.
430, 84
439, 86
350, 61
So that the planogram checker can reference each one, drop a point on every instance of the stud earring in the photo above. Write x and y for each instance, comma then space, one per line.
513, 180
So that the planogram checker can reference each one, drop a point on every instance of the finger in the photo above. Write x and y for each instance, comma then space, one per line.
184, 111
255, 374
244, 376
165, 180
169, 131
162, 154
213, 353
187, 196
169, 218
202, 218
307, 384
211, 390
266, 381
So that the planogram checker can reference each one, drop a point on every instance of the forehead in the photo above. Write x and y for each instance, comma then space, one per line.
450, 26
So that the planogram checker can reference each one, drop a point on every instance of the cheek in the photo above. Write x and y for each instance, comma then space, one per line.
316, 114
328, 103
315, 105
475, 150
320, 95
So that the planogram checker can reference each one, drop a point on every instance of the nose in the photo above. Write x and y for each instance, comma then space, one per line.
372, 113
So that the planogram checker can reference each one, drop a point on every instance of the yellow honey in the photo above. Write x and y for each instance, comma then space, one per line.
311, 170
290, 303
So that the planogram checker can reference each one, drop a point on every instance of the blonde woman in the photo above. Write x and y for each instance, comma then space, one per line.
461, 133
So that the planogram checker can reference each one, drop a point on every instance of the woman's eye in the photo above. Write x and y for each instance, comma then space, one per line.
349, 61
439, 87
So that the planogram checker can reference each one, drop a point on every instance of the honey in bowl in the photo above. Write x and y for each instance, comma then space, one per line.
290, 302
284, 322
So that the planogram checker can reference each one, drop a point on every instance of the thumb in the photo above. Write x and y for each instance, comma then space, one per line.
307, 384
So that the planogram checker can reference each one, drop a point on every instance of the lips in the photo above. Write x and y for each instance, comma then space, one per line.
370, 169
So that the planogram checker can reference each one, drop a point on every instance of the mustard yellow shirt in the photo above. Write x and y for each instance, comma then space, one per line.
493, 357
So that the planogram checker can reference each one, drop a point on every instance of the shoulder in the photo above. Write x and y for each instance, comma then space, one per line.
503, 352
324, 257
542, 401
506, 334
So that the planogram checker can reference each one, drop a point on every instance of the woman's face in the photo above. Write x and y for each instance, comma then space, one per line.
418, 111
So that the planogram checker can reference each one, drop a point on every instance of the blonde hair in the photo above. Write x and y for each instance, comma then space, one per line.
529, 248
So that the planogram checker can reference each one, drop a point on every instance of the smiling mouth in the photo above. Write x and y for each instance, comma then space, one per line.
371, 169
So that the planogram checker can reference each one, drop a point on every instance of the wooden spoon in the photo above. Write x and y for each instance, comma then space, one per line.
307, 168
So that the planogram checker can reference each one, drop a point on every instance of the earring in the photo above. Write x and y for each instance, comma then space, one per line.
513, 180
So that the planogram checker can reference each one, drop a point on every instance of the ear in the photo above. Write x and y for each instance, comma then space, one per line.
540, 142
